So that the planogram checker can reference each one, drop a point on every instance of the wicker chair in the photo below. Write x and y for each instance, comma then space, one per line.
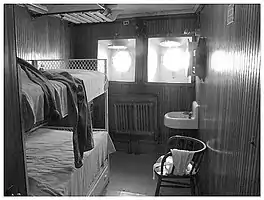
181, 143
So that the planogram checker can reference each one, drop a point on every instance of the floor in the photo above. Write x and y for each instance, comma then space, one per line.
131, 175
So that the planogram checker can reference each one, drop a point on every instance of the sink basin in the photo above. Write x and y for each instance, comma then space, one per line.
182, 119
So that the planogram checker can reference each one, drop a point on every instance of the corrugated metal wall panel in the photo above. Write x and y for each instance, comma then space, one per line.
230, 101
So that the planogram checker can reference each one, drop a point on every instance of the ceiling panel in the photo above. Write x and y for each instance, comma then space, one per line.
95, 13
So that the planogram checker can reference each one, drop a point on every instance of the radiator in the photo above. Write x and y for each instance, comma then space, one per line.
135, 118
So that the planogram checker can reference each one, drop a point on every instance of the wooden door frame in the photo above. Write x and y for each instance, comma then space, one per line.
15, 177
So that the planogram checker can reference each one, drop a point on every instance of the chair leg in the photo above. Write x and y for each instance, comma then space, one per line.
197, 187
192, 184
158, 187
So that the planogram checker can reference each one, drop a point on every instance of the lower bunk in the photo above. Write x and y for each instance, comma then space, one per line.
50, 164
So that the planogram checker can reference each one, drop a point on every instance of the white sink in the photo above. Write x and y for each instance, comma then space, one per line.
182, 120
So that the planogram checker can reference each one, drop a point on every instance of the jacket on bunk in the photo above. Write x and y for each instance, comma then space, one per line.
82, 129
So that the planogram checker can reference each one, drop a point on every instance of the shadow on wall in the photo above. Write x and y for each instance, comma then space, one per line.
201, 59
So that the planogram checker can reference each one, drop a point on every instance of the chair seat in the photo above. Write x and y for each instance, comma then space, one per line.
167, 169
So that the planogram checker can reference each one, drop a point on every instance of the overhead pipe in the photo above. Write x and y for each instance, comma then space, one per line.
108, 13
114, 15
101, 6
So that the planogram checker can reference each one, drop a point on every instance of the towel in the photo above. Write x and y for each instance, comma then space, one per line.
181, 160
168, 165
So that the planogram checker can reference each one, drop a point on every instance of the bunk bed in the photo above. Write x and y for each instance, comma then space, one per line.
50, 142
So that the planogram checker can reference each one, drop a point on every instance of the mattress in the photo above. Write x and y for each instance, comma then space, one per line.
50, 162
95, 82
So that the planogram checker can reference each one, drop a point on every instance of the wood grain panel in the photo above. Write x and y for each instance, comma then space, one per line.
172, 25
170, 97
230, 102
14, 163
41, 38
84, 37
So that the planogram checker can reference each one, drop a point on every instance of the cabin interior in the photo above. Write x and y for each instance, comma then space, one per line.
199, 63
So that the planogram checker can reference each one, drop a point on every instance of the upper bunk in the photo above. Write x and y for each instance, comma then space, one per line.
91, 72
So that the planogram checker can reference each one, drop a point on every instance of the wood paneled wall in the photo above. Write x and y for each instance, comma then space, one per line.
171, 97
230, 102
171, 25
41, 38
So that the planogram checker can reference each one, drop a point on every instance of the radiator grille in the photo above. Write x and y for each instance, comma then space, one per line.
135, 118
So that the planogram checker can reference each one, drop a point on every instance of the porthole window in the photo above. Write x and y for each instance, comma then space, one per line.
168, 60
120, 55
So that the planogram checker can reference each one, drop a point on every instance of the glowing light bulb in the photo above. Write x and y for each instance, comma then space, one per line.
122, 61
175, 59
